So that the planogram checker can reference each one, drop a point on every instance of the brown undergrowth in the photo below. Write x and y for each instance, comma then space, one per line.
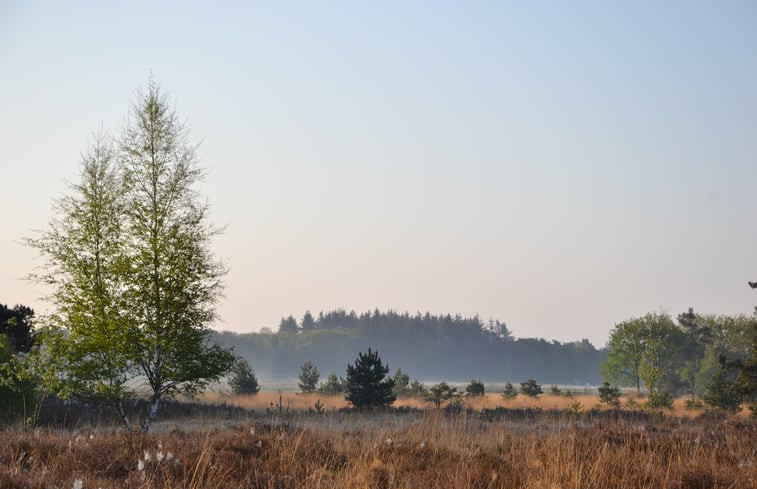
394, 449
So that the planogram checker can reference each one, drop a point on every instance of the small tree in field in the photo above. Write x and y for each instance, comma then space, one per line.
441, 393
243, 380
401, 383
609, 394
309, 376
475, 388
509, 393
333, 385
367, 383
530, 388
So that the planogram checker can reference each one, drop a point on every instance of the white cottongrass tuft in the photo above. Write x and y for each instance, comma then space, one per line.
389, 441
159, 456
148, 457
78, 484
169, 455
140, 465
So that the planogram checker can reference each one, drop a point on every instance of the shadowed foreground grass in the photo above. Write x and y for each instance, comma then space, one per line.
394, 449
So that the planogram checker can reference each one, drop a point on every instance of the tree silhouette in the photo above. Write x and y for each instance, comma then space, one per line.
288, 325
368, 386
16, 325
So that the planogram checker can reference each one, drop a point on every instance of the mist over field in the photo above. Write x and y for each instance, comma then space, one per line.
426, 347
526, 233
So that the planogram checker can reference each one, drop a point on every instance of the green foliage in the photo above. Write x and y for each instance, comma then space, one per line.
676, 358
554, 390
317, 408
693, 403
19, 384
645, 350
17, 326
278, 407
128, 257
243, 380
401, 384
429, 346
609, 394
309, 376
509, 392
334, 385
575, 409
368, 386
289, 325
632, 404
747, 380
626, 349
475, 388
659, 399
417, 389
723, 390
530, 388
441, 393
308, 323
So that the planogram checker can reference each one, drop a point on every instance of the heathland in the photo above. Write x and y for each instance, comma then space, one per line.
274, 440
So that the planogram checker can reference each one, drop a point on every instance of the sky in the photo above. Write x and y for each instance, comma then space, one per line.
559, 166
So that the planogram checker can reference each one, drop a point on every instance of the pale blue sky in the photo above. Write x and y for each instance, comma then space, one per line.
560, 167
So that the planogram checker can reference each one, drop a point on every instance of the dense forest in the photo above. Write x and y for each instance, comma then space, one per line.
427, 347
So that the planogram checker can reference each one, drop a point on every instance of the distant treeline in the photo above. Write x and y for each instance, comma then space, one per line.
425, 346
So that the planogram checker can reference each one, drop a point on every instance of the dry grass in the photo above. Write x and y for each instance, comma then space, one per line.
395, 449
302, 402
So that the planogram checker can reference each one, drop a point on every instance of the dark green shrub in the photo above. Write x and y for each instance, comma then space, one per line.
530, 388
475, 388
609, 394
243, 380
367, 383
509, 392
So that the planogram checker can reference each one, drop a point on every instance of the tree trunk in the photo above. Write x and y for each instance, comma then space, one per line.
122, 413
151, 414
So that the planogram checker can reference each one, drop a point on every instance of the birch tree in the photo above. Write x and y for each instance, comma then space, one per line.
128, 259
174, 280
85, 265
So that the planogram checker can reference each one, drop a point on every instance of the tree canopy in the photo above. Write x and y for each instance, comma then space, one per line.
128, 256
429, 346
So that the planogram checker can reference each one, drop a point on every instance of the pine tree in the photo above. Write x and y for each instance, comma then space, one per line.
609, 394
333, 385
309, 376
308, 323
722, 392
243, 380
368, 386
441, 393
530, 388
475, 388
509, 392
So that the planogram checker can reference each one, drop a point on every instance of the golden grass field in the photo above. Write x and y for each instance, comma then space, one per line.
433, 451
513, 448
517, 447
301, 402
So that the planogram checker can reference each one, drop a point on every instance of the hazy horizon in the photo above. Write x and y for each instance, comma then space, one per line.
558, 167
